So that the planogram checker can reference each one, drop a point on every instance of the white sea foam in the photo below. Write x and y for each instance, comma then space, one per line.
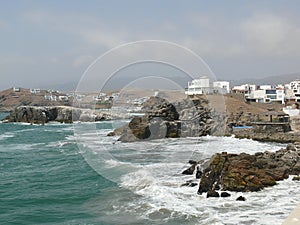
152, 171
6, 135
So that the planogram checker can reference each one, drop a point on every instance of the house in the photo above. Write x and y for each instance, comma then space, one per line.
198, 86
63, 98
221, 87
266, 94
245, 89
16, 89
293, 94
35, 91
51, 98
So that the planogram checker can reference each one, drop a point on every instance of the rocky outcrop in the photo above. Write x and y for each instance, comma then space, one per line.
42, 115
244, 172
288, 137
166, 120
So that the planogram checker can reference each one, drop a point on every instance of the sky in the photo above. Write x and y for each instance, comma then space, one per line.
53, 42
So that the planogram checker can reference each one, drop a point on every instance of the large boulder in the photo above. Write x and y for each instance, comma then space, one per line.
245, 172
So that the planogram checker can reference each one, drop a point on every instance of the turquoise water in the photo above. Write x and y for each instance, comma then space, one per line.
43, 183
45, 178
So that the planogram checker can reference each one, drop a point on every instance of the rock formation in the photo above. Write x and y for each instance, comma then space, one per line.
171, 120
42, 115
244, 172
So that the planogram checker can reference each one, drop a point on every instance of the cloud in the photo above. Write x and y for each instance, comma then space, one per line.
271, 34
82, 60
89, 29
260, 34
3, 24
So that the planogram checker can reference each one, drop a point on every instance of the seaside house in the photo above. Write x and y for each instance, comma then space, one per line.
63, 98
293, 91
198, 86
245, 89
16, 89
266, 94
221, 87
35, 91
51, 98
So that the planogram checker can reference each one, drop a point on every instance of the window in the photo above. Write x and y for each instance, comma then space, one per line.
268, 92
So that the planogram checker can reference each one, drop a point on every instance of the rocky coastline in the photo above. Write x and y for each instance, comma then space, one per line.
244, 172
62, 114
186, 118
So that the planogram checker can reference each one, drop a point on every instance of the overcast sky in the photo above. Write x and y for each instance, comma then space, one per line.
53, 42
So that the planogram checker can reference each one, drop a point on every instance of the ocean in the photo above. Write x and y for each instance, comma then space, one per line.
48, 175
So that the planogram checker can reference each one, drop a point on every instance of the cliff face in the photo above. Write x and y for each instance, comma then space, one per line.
42, 115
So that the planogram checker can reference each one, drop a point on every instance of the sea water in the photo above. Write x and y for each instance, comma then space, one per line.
50, 176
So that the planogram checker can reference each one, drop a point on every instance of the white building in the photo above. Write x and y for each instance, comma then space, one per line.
63, 98
198, 86
35, 91
267, 95
51, 98
246, 89
294, 94
221, 87
16, 89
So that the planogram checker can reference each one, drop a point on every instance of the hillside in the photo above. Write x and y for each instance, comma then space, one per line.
9, 99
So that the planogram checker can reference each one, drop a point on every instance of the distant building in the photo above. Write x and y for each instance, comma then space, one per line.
198, 86
294, 94
245, 89
63, 98
35, 91
266, 94
51, 98
221, 87
16, 89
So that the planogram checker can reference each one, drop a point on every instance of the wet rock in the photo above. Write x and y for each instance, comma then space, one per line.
212, 193
111, 134
189, 183
296, 178
193, 162
244, 172
190, 170
169, 120
225, 194
198, 173
241, 198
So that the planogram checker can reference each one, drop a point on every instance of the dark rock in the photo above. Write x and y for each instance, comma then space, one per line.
166, 120
189, 183
225, 194
245, 172
111, 134
192, 162
212, 193
198, 173
296, 178
241, 198
190, 170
